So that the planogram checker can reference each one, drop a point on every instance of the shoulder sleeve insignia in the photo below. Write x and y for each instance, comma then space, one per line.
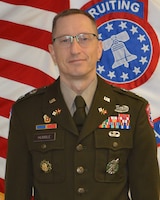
148, 111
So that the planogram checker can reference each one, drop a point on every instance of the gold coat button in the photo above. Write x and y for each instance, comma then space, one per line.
115, 144
81, 190
79, 147
80, 170
43, 146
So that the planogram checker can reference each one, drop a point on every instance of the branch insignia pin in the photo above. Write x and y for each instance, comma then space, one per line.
56, 112
102, 111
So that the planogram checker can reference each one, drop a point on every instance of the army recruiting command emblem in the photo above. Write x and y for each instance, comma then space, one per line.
129, 41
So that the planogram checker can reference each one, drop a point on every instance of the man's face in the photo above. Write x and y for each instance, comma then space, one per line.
76, 61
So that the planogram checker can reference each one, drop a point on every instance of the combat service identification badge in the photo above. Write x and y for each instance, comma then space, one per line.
45, 166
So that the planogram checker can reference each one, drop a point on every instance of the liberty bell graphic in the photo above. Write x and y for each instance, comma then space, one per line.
120, 53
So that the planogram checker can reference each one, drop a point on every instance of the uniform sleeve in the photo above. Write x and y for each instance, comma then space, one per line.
142, 165
18, 167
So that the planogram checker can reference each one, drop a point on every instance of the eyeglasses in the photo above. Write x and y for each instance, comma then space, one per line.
83, 39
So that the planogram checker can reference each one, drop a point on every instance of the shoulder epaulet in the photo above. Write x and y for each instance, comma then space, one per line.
129, 93
31, 93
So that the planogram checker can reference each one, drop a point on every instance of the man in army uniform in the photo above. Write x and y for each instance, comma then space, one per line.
105, 153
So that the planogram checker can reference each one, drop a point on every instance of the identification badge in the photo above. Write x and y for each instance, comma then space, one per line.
45, 137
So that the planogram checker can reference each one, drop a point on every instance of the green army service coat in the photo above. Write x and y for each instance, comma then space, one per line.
114, 153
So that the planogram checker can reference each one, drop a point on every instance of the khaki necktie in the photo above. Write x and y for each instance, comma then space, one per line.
79, 115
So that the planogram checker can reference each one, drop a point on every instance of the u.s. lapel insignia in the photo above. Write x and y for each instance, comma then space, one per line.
46, 119
45, 166
52, 100
56, 112
107, 99
113, 166
102, 111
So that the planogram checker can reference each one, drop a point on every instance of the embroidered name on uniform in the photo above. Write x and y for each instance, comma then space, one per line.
46, 126
122, 121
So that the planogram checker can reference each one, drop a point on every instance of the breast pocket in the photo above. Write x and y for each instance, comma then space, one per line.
48, 156
112, 149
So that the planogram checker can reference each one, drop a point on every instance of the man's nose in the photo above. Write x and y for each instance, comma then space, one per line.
75, 46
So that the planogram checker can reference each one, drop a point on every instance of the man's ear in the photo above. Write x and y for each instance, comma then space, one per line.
100, 49
52, 53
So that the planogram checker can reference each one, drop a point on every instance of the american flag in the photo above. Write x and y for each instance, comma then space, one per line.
25, 63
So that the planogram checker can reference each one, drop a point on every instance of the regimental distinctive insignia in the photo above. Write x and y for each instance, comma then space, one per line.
46, 119
113, 166
45, 166
122, 121
102, 111
122, 109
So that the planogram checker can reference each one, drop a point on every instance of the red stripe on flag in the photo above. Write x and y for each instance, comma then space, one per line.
5, 107
25, 34
51, 5
3, 147
26, 74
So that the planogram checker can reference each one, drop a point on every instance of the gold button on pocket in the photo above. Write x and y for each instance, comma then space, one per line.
80, 170
81, 190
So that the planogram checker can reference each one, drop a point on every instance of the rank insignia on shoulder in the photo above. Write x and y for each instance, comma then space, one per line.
45, 166
113, 166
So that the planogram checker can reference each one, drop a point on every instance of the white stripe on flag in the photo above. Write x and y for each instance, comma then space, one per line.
13, 90
149, 91
77, 4
12, 51
2, 167
154, 15
4, 124
26, 15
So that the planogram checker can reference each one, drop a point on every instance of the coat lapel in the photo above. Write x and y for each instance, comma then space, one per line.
55, 107
103, 106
